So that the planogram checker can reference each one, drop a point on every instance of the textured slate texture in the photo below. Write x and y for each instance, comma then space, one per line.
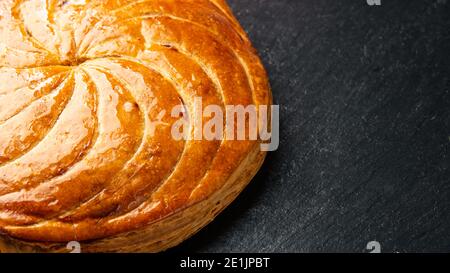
365, 130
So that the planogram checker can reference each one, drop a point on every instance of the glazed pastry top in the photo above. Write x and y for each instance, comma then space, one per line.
86, 93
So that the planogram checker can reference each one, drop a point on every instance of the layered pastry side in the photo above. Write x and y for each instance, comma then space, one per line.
86, 151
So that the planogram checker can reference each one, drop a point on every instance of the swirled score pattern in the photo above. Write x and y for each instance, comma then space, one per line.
84, 150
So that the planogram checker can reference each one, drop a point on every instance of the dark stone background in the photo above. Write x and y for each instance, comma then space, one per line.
365, 130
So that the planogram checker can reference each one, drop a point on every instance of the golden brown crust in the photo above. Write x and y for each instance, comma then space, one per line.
85, 153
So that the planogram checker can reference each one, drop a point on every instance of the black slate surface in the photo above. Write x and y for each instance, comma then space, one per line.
365, 130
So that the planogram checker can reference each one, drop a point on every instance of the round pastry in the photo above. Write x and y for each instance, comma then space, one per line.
87, 150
